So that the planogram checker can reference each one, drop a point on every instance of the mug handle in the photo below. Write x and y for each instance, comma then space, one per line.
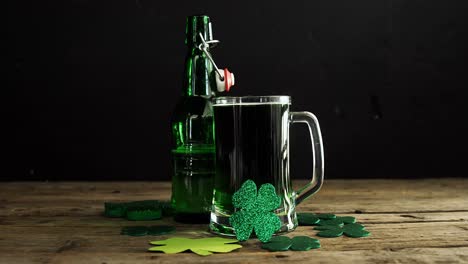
317, 152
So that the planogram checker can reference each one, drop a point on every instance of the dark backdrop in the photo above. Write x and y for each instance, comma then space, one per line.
95, 82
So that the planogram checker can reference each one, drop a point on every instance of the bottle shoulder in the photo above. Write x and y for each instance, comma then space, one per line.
199, 78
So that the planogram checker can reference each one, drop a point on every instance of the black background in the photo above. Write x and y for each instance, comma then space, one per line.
95, 82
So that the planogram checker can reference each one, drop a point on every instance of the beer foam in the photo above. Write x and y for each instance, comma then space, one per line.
253, 100
251, 104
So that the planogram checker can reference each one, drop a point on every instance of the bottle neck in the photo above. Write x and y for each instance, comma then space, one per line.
199, 76
196, 25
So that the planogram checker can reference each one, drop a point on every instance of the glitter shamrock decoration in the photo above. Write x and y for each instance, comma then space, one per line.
255, 211
200, 246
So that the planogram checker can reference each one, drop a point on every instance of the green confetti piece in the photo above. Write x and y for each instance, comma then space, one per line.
355, 230
114, 209
357, 233
304, 243
347, 219
150, 203
278, 243
200, 246
307, 219
354, 226
256, 211
326, 216
134, 230
326, 227
330, 233
143, 214
166, 207
160, 230
351, 230
332, 222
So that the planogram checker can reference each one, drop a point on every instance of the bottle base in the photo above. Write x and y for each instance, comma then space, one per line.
192, 218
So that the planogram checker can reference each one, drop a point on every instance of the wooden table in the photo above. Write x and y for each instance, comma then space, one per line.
412, 221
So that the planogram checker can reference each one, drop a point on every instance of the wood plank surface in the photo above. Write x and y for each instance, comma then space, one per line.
412, 221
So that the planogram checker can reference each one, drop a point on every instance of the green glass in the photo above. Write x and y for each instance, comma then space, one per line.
192, 131
252, 143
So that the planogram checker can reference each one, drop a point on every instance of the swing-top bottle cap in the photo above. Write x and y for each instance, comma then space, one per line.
227, 83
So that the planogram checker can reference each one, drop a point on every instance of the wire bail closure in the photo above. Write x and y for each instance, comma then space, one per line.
204, 47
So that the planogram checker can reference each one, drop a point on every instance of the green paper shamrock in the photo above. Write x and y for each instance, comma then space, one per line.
299, 243
146, 230
160, 230
304, 243
307, 219
332, 222
114, 209
326, 216
143, 214
138, 210
255, 211
347, 219
134, 230
278, 243
350, 230
200, 246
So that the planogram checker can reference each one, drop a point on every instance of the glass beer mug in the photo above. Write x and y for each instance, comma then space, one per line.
252, 142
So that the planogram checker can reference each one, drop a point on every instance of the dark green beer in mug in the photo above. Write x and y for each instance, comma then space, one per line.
252, 142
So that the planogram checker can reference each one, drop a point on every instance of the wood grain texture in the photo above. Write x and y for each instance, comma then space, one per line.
412, 221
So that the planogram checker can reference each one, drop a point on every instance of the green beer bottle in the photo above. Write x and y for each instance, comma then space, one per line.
192, 130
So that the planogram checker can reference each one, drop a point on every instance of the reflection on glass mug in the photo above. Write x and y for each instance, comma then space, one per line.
252, 142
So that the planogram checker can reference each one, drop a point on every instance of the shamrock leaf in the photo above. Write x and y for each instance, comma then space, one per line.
347, 219
146, 230
350, 230
299, 243
304, 243
255, 212
306, 219
200, 246
248, 190
138, 210
141, 213
332, 222
329, 231
134, 230
326, 216
160, 230
278, 243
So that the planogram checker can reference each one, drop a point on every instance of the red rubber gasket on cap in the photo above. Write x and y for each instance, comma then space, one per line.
227, 80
